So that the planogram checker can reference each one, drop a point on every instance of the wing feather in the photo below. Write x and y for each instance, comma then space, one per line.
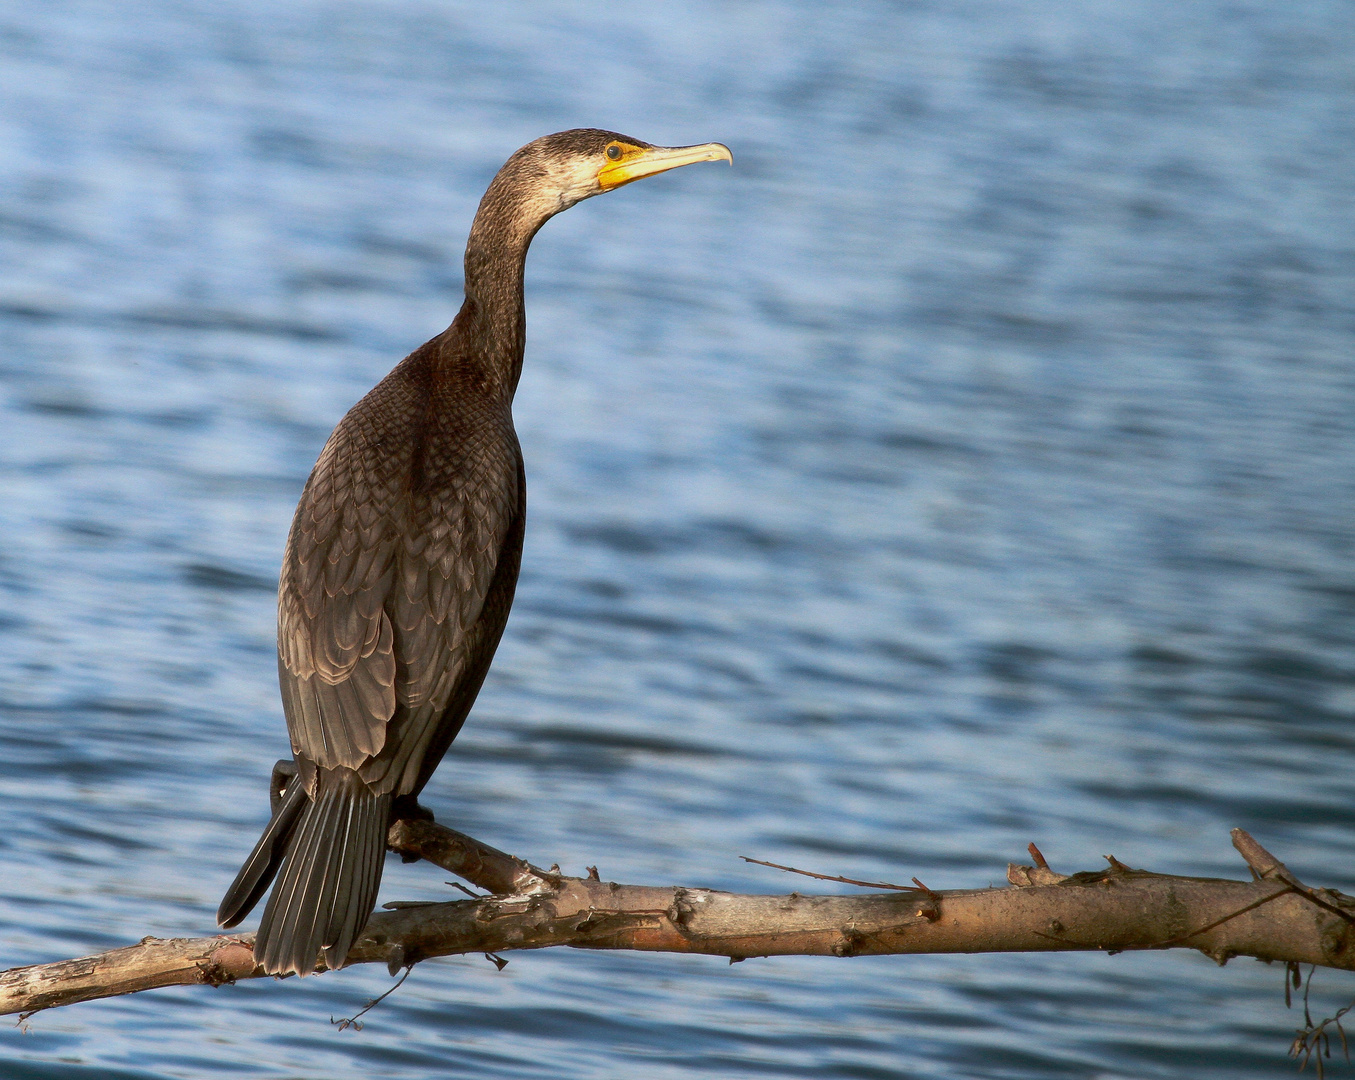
385, 575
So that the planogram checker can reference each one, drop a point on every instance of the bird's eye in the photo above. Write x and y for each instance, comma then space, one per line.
614, 152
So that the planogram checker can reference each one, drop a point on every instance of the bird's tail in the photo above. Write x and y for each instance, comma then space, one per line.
257, 874
331, 860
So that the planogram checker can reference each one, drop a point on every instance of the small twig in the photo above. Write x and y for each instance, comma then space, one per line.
353, 1021
1293, 979
1313, 1041
458, 885
1265, 866
1035, 854
931, 910
835, 877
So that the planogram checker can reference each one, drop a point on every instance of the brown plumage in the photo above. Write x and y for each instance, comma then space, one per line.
400, 567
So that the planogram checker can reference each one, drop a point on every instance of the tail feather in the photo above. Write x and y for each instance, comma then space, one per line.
357, 884
353, 884
368, 839
329, 878
262, 865
288, 922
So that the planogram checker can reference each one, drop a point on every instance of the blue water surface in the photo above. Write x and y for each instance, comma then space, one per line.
970, 465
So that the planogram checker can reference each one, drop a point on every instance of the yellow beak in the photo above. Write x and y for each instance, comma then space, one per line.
656, 159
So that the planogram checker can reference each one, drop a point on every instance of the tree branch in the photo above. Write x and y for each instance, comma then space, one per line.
1274, 917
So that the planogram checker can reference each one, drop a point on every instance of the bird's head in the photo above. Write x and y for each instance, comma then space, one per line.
557, 171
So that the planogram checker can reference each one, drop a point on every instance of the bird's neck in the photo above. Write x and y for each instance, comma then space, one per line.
496, 252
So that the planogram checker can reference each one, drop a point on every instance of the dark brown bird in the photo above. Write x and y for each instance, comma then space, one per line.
400, 568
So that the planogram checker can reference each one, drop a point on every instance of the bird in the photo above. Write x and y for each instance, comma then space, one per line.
400, 567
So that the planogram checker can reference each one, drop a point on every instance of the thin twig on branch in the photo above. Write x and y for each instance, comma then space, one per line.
1274, 917
835, 877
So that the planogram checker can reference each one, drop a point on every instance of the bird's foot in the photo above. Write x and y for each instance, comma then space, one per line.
284, 772
407, 807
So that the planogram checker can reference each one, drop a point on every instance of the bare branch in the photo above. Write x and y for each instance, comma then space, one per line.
480, 864
1115, 909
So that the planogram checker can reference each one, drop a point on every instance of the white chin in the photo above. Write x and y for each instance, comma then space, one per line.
577, 194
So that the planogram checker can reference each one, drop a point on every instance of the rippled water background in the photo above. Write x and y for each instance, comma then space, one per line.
969, 465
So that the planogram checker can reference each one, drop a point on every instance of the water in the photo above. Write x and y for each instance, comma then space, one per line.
969, 465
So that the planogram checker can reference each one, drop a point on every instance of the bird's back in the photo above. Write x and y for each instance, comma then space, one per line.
405, 525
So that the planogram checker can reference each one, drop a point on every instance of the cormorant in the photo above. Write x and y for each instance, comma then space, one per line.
400, 567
